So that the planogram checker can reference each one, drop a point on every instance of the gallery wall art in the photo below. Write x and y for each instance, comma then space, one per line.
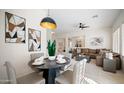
96, 41
34, 37
15, 28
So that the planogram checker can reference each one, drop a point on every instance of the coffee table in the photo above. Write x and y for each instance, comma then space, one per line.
80, 57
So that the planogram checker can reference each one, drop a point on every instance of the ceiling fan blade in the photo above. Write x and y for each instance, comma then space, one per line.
85, 26
81, 26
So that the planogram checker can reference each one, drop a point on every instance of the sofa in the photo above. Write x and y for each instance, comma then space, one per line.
93, 53
116, 58
98, 54
109, 65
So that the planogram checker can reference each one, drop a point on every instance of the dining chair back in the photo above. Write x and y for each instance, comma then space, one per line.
11, 74
79, 71
36, 55
33, 57
73, 77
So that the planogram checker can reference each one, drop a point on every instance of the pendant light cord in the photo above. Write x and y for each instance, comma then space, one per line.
48, 12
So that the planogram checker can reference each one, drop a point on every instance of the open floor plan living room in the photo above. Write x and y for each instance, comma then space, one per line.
62, 46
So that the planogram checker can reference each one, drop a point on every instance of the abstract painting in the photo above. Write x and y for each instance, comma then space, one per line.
34, 37
96, 41
15, 28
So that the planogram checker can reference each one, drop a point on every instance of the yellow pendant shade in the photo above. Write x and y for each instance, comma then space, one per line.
48, 23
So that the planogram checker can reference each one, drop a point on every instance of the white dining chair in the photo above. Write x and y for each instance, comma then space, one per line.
11, 74
77, 76
32, 78
34, 56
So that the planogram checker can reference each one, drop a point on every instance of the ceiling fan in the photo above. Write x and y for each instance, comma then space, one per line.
82, 26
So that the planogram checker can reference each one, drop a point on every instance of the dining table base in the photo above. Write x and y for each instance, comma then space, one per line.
49, 75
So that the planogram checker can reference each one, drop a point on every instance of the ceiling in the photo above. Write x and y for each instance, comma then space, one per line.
68, 19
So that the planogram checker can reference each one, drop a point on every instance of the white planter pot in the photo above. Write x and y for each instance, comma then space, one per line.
52, 57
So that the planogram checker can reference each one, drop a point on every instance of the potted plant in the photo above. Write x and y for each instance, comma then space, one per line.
51, 49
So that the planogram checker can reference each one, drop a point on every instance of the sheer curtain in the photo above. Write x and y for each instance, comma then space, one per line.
122, 40
116, 41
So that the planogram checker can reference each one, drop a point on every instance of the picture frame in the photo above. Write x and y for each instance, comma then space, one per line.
15, 28
34, 40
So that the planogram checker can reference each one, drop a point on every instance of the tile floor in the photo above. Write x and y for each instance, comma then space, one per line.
92, 71
102, 77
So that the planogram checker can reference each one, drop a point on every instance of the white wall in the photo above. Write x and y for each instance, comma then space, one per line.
106, 33
18, 54
118, 22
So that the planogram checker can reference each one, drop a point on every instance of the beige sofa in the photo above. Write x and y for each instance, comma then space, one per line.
93, 53
98, 54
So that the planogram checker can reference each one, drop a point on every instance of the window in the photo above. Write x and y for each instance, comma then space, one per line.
122, 40
116, 41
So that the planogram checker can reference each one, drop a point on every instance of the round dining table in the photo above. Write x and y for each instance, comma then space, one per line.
50, 68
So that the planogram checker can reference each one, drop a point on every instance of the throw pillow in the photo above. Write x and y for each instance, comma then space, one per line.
109, 55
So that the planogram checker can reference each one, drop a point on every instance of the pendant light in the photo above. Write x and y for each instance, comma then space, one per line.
48, 23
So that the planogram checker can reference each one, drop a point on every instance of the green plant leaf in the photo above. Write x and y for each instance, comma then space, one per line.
51, 48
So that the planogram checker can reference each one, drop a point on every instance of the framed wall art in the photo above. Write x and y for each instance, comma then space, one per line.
34, 39
15, 28
97, 41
